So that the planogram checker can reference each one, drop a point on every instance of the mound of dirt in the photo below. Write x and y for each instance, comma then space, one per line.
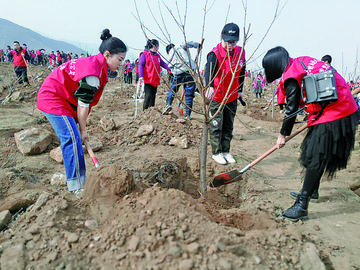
109, 181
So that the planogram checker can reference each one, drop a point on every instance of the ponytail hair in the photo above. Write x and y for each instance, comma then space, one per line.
111, 44
275, 62
151, 43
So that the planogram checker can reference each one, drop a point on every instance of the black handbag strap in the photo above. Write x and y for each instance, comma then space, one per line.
306, 69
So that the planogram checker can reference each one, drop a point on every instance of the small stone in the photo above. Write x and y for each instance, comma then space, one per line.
212, 249
257, 259
71, 237
182, 216
134, 243
186, 264
224, 264
107, 123
5, 216
181, 121
220, 245
166, 233
193, 248
316, 227
34, 230
58, 179
56, 154
91, 224
175, 251
237, 250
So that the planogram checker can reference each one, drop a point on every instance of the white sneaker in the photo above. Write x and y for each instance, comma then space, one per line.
167, 109
229, 158
78, 192
219, 159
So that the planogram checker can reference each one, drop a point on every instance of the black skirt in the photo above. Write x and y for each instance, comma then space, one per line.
328, 146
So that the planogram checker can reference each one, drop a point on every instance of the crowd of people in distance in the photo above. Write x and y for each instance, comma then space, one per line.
39, 56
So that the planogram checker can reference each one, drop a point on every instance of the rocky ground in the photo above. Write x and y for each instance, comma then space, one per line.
143, 209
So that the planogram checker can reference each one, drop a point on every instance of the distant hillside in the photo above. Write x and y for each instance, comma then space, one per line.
10, 31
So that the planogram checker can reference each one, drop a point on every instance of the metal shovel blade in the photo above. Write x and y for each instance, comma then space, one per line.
226, 178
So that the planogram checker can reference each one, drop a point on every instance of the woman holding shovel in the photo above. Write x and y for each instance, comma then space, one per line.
67, 96
331, 127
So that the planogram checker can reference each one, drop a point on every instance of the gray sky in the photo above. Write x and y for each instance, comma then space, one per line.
304, 27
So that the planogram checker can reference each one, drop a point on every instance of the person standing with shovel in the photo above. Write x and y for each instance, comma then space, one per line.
180, 63
67, 96
331, 125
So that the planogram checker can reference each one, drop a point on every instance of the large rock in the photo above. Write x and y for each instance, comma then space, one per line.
13, 257
4, 218
33, 141
309, 258
144, 130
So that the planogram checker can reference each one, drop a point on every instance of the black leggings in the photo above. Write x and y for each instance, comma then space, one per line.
150, 95
312, 180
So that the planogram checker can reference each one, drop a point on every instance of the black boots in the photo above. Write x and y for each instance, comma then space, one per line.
299, 209
313, 198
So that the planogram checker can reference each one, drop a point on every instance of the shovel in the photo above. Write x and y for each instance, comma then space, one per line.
91, 154
180, 105
267, 107
235, 175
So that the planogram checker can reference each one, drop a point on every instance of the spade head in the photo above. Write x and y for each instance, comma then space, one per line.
226, 178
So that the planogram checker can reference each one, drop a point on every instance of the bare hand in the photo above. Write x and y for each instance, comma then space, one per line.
280, 141
84, 136
209, 94
240, 95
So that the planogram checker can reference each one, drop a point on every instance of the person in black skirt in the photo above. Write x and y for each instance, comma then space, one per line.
331, 129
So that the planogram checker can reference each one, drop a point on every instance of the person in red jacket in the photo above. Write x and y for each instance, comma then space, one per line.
67, 96
331, 126
20, 55
223, 62
150, 64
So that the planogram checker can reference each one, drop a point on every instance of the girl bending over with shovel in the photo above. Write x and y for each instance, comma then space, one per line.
331, 125
67, 96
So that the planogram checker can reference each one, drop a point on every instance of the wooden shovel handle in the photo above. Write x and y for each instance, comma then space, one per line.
272, 149
91, 154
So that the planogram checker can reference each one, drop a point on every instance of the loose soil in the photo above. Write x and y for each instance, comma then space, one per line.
143, 209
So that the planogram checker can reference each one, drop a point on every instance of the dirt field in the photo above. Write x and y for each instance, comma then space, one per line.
142, 208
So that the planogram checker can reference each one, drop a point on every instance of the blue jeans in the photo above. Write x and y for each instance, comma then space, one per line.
189, 88
71, 146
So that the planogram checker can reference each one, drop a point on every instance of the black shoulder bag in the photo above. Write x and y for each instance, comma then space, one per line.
320, 88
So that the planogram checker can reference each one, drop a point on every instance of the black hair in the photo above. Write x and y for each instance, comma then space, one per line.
326, 58
275, 62
111, 44
16, 42
169, 47
151, 43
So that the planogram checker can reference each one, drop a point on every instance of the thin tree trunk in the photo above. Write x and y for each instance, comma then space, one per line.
204, 141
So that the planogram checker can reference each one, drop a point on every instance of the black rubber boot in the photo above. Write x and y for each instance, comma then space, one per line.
299, 209
314, 197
